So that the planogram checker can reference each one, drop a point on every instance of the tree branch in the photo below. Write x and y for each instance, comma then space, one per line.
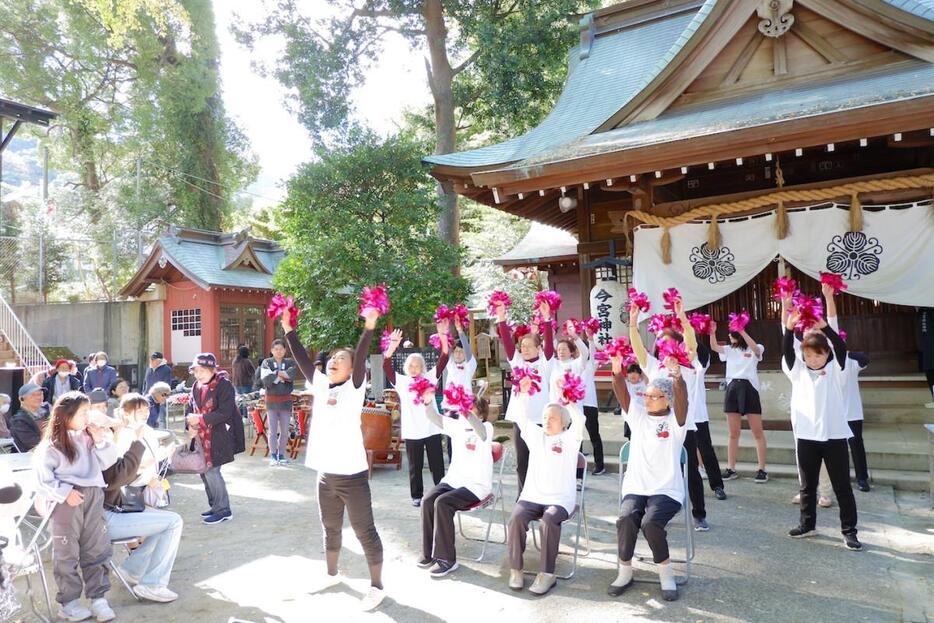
470, 59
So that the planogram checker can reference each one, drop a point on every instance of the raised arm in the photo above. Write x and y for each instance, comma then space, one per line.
714, 344
302, 360
477, 425
620, 389
395, 338
680, 397
465, 344
431, 409
690, 338
839, 346
548, 332
505, 335
751, 343
788, 344
635, 338
443, 330
363, 348
830, 303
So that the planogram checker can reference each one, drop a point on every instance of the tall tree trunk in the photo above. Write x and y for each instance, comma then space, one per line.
441, 79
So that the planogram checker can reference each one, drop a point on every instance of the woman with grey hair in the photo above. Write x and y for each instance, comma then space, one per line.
550, 491
653, 487
421, 435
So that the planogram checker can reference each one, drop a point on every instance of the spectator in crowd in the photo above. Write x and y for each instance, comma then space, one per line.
28, 422
39, 378
118, 389
278, 376
159, 371
243, 371
99, 375
61, 382
157, 404
5, 416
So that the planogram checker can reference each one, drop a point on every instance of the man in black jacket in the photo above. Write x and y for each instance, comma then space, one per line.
27, 423
212, 413
159, 371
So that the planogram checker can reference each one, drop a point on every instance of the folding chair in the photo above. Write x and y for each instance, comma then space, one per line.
489, 502
580, 512
30, 558
260, 427
685, 511
295, 444
113, 566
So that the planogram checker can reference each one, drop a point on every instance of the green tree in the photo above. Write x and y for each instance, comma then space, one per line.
492, 66
362, 214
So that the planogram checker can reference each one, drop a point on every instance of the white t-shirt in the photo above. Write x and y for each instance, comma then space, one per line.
335, 437
636, 394
459, 374
539, 400
852, 400
552, 475
817, 407
654, 466
414, 424
558, 369
655, 368
742, 363
472, 457
590, 381
699, 398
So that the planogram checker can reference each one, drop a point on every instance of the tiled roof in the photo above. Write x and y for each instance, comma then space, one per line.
596, 88
921, 8
204, 262
542, 242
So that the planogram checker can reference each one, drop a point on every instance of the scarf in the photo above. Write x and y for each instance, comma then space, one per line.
206, 392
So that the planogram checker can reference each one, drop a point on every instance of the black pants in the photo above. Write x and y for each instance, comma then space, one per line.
438, 510
415, 450
930, 377
522, 456
695, 482
858, 450
835, 456
337, 492
651, 514
708, 456
592, 424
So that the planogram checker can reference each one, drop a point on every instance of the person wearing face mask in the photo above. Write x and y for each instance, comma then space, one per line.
99, 375
27, 423
60, 382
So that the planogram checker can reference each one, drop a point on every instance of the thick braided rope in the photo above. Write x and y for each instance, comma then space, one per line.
781, 196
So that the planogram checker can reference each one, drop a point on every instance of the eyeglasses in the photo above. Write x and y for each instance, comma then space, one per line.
653, 396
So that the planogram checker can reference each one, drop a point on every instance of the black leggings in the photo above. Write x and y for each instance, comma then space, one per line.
592, 424
930, 377
858, 450
416, 449
522, 456
695, 483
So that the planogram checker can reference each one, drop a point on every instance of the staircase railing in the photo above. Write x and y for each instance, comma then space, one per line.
27, 351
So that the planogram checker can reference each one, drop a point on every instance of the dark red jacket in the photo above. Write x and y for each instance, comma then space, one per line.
227, 437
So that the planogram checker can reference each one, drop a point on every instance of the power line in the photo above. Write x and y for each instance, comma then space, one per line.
215, 183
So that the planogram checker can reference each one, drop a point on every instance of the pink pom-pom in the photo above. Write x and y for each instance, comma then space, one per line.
520, 331
573, 390
673, 348
739, 321
458, 398
784, 287
496, 298
639, 299
842, 334
601, 357
548, 296
461, 314
592, 325
279, 305
384, 341
442, 313
435, 340
620, 347
810, 310
374, 298
835, 281
671, 296
539, 320
660, 322
577, 324
700, 322
418, 387
527, 372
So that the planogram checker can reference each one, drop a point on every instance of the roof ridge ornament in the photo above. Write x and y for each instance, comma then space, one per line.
588, 29
775, 17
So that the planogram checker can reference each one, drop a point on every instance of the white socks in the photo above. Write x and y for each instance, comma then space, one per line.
624, 577
666, 576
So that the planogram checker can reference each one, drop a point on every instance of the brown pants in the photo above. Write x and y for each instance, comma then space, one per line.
336, 492
551, 518
80, 540
438, 510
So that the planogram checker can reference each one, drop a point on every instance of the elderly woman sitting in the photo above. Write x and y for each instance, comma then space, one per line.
653, 487
550, 490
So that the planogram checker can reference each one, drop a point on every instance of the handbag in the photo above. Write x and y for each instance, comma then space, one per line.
133, 501
189, 459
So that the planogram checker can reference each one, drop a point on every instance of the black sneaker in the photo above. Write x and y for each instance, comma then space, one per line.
599, 472
729, 474
207, 513
442, 568
862, 485
761, 476
424, 563
720, 493
852, 543
800, 532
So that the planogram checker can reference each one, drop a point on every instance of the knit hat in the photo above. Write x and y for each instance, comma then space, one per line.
28, 388
664, 385
97, 396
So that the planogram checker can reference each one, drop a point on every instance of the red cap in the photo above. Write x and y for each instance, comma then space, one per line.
59, 362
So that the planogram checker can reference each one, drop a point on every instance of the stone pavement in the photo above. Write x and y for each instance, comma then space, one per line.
264, 565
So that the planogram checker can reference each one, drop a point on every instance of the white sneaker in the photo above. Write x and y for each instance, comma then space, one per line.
131, 579
516, 579
102, 610
372, 600
824, 502
543, 583
159, 594
74, 611
929, 405
796, 499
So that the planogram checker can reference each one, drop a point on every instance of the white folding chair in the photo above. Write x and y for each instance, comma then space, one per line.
490, 502
113, 566
580, 513
30, 539
685, 511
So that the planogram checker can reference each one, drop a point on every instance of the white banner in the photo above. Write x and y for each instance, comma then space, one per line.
891, 260
607, 303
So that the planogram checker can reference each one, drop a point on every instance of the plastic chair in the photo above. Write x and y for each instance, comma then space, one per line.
685, 511
30, 558
489, 502
260, 427
580, 513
